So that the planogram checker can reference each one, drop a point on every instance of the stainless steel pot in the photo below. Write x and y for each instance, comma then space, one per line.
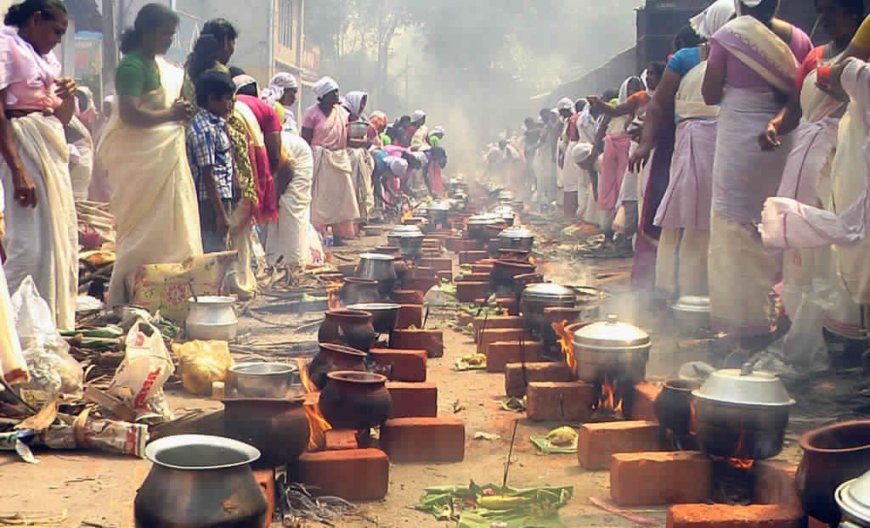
212, 317
505, 197
375, 266
409, 240
506, 213
438, 212
263, 380
742, 413
200, 481
517, 238
384, 315
692, 313
357, 130
477, 226
536, 297
611, 348
853, 497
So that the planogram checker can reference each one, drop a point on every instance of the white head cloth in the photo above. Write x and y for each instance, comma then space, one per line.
280, 82
714, 17
324, 86
397, 165
623, 89
745, 3
243, 80
565, 104
581, 152
437, 131
353, 102
417, 115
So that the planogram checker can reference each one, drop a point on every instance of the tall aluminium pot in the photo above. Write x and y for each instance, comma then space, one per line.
611, 348
378, 267
516, 238
277, 427
853, 498
333, 357
832, 455
200, 481
357, 290
355, 400
351, 328
536, 298
741, 413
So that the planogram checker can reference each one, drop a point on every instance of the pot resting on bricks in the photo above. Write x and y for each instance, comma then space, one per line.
611, 349
333, 357
278, 428
351, 328
357, 290
355, 400
538, 297
673, 408
378, 267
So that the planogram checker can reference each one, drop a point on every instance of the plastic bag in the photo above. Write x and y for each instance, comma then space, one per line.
201, 363
141, 375
53, 371
13, 366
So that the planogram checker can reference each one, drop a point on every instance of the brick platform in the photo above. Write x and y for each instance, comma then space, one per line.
597, 442
410, 315
422, 285
340, 440
470, 257
655, 479
432, 341
517, 375
352, 474
439, 264
424, 439
492, 335
500, 353
495, 321
473, 277
559, 401
407, 296
413, 399
468, 292
644, 396
482, 267
724, 516
407, 365
266, 479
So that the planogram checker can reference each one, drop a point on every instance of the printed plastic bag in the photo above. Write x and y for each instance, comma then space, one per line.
141, 375
53, 371
201, 363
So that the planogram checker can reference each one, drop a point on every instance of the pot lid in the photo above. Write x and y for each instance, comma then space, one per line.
691, 303
516, 232
374, 307
611, 333
438, 206
406, 231
547, 291
853, 497
212, 300
504, 211
195, 452
745, 386
484, 219
377, 256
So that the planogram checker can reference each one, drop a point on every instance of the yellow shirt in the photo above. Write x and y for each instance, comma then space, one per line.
862, 36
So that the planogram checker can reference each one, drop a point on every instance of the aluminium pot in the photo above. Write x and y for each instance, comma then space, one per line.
538, 297
692, 313
200, 481
378, 267
352, 328
262, 380
741, 413
277, 427
384, 315
357, 290
476, 226
516, 238
355, 400
331, 357
357, 130
438, 213
832, 455
506, 213
211, 317
611, 348
853, 497
409, 240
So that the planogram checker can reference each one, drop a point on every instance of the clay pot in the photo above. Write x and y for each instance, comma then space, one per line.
356, 290
673, 406
503, 273
348, 327
832, 455
332, 357
277, 427
355, 400
407, 297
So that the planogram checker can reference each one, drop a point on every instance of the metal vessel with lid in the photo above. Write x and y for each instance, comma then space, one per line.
437, 213
742, 413
611, 347
506, 213
536, 297
378, 267
853, 497
409, 240
516, 237
692, 313
477, 224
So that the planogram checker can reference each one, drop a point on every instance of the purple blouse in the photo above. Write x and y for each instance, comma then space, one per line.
739, 75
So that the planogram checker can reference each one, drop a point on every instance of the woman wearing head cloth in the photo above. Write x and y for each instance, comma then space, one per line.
756, 57
360, 159
324, 127
684, 211
282, 93
418, 131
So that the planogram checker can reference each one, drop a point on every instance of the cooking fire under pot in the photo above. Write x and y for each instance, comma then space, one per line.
377, 267
516, 238
409, 240
611, 349
476, 226
438, 212
537, 297
742, 414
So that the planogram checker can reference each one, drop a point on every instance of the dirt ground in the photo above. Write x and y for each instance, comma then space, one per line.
86, 490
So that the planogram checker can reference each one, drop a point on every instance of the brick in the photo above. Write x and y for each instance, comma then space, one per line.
341, 439
424, 439
645, 395
653, 479
352, 474
508, 304
597, 442
482, 267
445, 276
412, 400
468, 292
564, 401
500, 353
517, 375
266, 479
458, 245
496, 321
432, 341
470, 257
473, 277
725, 516
491, 335
815, 523
410, 315
775, 483
407, 296
404, 365
420, 272
421, 285
440, 264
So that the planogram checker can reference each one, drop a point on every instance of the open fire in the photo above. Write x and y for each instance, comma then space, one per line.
565, 338
317, 424
737, 462
333, 300
611, 399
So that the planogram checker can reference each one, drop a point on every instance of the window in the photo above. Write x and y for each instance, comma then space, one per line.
285, 23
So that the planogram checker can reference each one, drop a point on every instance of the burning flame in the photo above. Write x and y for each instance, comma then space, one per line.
333, 300
406, 214
693, 419
736, 462
532, 260
565, 338
316, 422
608, 400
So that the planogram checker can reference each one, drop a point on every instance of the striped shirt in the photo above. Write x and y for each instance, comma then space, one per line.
208, 145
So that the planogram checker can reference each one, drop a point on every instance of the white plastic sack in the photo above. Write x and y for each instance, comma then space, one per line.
52, 370
13, 366
143, 372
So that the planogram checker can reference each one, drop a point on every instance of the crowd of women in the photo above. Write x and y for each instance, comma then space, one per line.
732, 171
191, 159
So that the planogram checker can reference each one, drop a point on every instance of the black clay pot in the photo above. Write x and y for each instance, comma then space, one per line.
356, 290
673, 408
355, 400
333, 357
277, 427
348, 327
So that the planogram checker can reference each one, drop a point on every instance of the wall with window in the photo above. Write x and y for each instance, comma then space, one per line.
288, 31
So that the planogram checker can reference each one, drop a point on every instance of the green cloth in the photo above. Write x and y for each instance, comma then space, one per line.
136, 76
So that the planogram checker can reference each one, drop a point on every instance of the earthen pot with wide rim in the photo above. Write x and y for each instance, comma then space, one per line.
355, 400
673, 408
356, 290
503, 273
277, 427
332, 357
200, 481
832, 455
351, 328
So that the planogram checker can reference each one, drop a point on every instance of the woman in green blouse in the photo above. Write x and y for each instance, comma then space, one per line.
153, 196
